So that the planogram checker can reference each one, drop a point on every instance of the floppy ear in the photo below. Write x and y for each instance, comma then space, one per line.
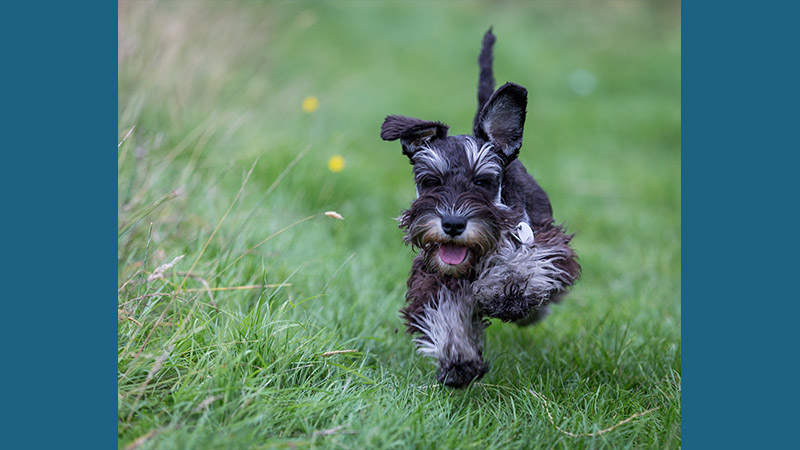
502, 119
413, 133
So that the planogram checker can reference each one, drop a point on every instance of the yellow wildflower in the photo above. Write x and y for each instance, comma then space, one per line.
310, 104
336, 163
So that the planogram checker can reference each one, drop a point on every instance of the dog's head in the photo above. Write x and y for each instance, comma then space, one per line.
459, 214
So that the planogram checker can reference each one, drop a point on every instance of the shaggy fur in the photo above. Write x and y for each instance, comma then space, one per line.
473, 196
518, 280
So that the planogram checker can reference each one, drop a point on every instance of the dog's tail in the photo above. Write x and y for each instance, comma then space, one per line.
486, 78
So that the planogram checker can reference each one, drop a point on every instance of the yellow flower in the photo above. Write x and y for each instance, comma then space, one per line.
336, 163
310, 104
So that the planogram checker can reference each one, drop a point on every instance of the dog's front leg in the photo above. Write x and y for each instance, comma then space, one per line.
452, 333
517, 283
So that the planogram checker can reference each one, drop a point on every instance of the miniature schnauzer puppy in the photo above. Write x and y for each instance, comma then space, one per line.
488, 244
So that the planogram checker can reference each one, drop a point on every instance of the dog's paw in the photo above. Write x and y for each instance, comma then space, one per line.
534, 317
511, 303
460, 374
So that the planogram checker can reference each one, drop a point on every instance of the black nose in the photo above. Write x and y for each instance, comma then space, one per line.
454, 225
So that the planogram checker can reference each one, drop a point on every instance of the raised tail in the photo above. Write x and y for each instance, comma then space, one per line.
486, 78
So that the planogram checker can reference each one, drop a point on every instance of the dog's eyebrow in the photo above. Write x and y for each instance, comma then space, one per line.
430, 161
483, 160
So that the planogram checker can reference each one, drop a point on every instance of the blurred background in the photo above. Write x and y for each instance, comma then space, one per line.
293, 94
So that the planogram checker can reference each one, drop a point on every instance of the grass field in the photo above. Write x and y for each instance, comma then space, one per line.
231, 347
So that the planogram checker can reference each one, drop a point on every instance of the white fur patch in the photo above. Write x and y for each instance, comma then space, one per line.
451, 332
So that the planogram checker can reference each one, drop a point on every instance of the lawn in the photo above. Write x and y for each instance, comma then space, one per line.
248, 318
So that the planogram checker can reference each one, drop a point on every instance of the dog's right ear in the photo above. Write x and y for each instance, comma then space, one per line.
413, 133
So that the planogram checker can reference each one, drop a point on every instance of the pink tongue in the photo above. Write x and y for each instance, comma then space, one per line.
452, 254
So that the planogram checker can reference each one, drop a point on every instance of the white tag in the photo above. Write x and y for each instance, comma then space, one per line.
524, 233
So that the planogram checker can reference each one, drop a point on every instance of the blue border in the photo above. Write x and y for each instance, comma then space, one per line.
740, 85
59, 223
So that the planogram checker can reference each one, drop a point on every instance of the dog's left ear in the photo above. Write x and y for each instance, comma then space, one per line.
502, 120
413, 133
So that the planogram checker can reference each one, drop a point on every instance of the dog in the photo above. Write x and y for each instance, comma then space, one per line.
488, 244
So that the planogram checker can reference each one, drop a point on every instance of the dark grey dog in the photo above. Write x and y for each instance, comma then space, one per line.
488, 244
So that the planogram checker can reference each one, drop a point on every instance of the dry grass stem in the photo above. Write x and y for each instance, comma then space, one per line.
200, 255
334, 430
287, 170
338, 352
153, 370
126, 136
140, 440
247, 252
130, 280
596, 433
206, 288
336, 272
209, 400
239, 288
214, 289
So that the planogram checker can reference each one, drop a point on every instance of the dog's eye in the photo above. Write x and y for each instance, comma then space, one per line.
429, 182
483, 182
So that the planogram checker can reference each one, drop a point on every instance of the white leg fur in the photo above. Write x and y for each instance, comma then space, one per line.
451, 331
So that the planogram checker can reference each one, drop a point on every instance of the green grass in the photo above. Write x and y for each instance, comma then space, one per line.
222, 158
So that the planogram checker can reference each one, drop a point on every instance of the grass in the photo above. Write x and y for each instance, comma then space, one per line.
232, 346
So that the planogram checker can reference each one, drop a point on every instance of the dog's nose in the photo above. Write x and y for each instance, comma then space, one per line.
454, 225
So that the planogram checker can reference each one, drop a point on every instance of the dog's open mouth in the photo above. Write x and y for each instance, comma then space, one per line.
452, 254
